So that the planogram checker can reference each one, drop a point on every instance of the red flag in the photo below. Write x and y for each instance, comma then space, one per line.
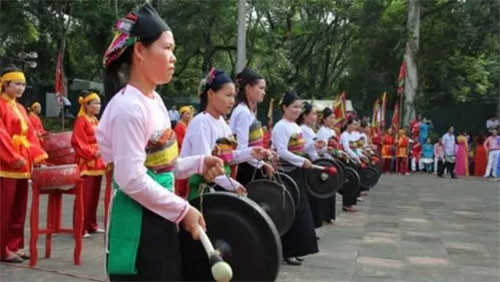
401, 78
395, 118
339, 108
60, 87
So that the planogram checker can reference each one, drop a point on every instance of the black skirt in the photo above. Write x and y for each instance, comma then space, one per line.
300, 240
158, 256
322, 209
246, 173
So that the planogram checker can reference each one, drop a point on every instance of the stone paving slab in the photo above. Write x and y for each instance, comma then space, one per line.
410, 228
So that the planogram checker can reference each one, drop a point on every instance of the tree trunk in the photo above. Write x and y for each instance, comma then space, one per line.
411, 53
242, 34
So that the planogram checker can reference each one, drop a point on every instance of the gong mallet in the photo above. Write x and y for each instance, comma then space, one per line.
328, 169
221, 270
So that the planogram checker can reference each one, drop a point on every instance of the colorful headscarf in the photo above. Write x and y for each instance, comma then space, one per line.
146, 23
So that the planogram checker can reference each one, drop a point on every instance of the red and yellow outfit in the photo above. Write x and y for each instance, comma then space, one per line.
180, 132
402, 153
37, 125
18, 141
387, 143
92, 167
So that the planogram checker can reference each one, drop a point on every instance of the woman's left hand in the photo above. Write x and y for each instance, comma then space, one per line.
268, 170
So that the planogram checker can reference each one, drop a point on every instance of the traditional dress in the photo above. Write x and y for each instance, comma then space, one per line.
423, 132
427, 157
415, 129
134, 134
479, 159
289, 142
201, 139
18, 141
387, 155
416, 153
92, 167
37, 125
249, 133
181, 185
322, 210
402, 154
462, 162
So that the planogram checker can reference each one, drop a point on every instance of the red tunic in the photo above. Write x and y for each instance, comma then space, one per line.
180, 132
415, 128
17, 140
387, 143
416, 151
84, 142
37, 125
402, 147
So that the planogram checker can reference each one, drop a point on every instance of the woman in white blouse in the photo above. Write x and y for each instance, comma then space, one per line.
217, 93
245, 125
288, 141
134, 127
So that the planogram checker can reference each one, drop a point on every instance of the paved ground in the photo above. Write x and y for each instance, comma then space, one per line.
413, 228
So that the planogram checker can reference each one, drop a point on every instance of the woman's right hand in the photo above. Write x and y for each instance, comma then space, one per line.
241, 191
192, 220
307, 164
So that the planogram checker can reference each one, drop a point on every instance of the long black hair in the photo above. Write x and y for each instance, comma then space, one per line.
117, 73
244, 78
307, 108
215, 80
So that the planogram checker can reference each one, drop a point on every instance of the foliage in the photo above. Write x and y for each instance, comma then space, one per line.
318, 47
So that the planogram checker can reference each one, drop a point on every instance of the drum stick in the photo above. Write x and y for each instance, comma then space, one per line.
221, 270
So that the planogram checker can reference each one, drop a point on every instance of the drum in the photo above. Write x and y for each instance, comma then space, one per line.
59, 149
275, 200
54, 142
241, 231
62, 177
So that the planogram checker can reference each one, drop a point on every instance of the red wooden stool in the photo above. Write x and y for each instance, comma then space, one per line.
56, 181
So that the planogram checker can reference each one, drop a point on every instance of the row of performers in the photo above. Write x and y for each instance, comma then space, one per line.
399, 151
21, 143
135, 138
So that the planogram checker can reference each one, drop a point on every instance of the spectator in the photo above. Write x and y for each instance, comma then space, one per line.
427, 156
424, 128
462, 162
450, 151
174, 116
492, 147
480, 157
492, 123
438, 156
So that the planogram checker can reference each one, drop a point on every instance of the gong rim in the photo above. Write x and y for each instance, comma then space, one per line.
275, 200
290, 185
323, 189
368, 177
352, 183
243, 233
